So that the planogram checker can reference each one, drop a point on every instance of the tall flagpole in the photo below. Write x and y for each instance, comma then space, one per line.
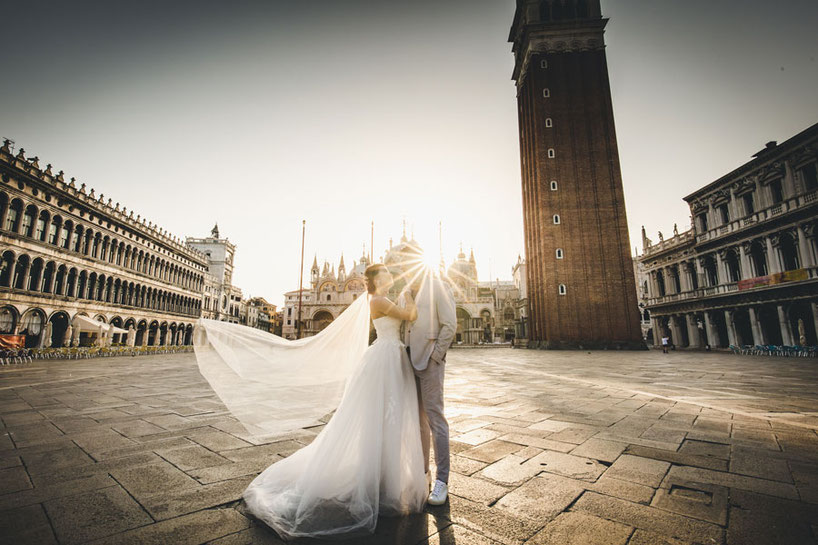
301, 277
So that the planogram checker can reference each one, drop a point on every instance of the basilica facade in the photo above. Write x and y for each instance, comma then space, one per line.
330, 292
487, 312
75, 265
746, 272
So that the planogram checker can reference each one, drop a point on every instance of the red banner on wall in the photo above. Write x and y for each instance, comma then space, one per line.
12, 342
771, 279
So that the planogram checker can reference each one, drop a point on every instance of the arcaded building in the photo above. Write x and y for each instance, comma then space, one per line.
66, 252
581, 291
745, 272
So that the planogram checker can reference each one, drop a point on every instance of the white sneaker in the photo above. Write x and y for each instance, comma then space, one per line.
439, 493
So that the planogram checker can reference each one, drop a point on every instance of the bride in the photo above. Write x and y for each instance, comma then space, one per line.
368, 459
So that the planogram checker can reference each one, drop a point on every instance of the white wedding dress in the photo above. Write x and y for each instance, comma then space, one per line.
366, 461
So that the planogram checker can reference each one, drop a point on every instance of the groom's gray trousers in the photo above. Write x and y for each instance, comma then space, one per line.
432, 421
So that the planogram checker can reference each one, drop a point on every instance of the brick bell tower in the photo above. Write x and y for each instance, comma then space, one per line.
582, 292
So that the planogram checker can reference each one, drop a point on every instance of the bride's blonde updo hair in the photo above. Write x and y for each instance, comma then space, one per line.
370, 273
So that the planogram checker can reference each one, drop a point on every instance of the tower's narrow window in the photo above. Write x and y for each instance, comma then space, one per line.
548, 122
559, 253
556, 219
553, 185
546, 92
543, 63
563, 289
551, 153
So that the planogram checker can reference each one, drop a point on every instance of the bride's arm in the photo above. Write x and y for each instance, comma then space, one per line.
385, 307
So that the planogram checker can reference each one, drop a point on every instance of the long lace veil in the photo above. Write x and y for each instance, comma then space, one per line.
274, 385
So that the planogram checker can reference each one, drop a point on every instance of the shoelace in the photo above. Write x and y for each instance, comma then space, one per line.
438, 490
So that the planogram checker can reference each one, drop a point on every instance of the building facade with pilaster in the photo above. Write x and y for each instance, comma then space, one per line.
745, 272
70, 258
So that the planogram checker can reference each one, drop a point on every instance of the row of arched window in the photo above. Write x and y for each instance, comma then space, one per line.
21, 272
39, 224
668, 280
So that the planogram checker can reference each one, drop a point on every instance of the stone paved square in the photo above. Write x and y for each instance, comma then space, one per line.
547, 447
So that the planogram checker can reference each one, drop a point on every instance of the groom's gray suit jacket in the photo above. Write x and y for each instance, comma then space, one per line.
433, 332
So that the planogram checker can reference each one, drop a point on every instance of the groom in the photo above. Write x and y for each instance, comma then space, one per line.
427, 339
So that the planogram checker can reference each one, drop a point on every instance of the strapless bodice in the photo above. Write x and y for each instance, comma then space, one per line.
387, 328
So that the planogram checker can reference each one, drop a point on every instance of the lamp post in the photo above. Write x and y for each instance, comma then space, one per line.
301, 276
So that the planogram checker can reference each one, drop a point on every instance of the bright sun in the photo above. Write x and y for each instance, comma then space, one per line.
430, 261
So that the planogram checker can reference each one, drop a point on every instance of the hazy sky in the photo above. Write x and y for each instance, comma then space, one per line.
260, 114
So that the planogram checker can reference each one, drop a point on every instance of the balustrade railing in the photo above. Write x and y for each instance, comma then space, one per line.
797, 275
759, 216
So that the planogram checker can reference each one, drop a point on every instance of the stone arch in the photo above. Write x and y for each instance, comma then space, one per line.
21, 271
66, 233
788, 250
321, 319
49, 274
463, 324
141, 333
800, 314
54, 228
711, 272
59, 321
32, 325
60, 279
29, 221
9, 318
14, 215
153, 333
732, 265
7, 266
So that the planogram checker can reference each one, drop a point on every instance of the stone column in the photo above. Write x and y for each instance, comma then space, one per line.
773, 265
712, 333
786, 330
803, 248
692, 331
744, 259
654, 284
721, 266
12, 269
24, 275
657, 331
676, 328
683, 281
731, 327
75, 340
50, 287
671, 325
788, 181
700, 272
755, 325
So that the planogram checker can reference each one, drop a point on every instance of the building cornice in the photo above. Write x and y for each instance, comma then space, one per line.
767, 165
565, 37
54, 186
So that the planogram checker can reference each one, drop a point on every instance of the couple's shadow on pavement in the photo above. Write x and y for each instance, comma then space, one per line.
408, 530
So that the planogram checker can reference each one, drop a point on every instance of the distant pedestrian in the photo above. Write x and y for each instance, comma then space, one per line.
665, 342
